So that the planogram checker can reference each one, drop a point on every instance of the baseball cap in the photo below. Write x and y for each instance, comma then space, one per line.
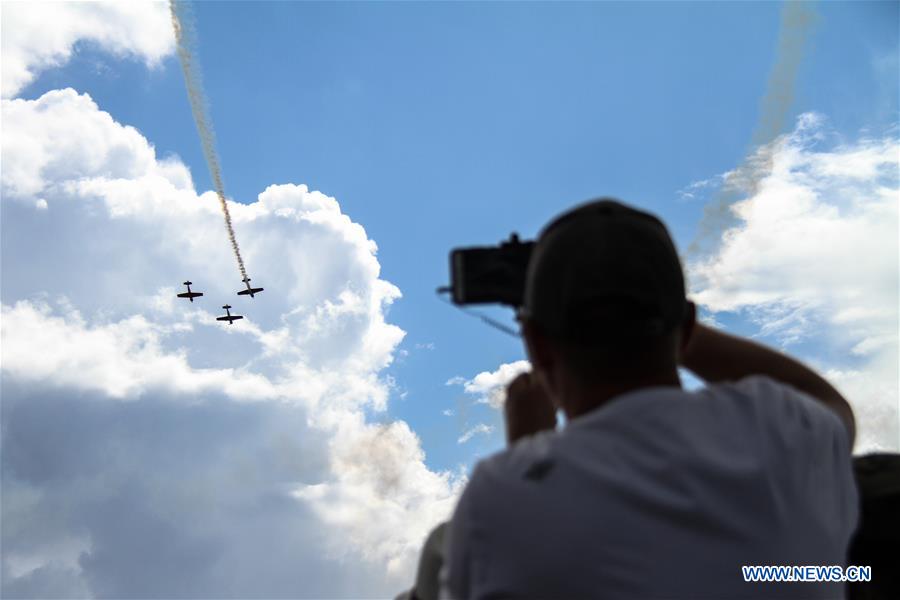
603, 271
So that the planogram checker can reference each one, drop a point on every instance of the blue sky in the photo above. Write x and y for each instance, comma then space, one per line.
437, 125
440, 125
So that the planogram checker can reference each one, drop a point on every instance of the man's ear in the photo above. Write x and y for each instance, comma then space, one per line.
535, 344
540, 353
687, 326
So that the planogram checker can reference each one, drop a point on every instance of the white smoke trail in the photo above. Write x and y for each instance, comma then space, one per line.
184, 36
797, 19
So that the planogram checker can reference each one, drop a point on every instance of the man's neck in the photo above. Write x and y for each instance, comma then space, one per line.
581, 399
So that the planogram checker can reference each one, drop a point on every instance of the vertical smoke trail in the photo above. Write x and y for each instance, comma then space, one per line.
797, 19
181, 23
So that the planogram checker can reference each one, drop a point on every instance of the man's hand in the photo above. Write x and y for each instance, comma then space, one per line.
527, 409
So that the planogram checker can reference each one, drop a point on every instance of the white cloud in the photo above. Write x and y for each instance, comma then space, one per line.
489, 387
79, 145
383, 498
813, 258
481, 428
690, 191
122, 359
137, 425
40, 35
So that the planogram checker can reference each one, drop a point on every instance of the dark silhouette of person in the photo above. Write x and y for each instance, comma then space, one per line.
648, 490
876, 542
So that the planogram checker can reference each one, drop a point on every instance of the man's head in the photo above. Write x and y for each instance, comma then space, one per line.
604, 300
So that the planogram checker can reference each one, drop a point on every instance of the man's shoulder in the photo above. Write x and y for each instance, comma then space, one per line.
784, 405
782, 424
519, 461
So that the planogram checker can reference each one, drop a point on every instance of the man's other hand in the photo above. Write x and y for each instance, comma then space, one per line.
528, 409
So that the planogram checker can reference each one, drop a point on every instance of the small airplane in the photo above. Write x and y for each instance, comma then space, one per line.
228, 316
189, 294
249, 289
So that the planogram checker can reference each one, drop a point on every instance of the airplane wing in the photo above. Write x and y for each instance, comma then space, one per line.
244, 292
190, 294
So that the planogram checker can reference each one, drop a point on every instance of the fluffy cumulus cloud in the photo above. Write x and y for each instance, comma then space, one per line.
38, 35
151, 451
812, 258
489, 387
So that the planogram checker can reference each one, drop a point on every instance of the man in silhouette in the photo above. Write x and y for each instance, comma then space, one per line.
649, 490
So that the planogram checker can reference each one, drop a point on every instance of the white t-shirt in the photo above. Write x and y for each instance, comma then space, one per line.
661, 493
